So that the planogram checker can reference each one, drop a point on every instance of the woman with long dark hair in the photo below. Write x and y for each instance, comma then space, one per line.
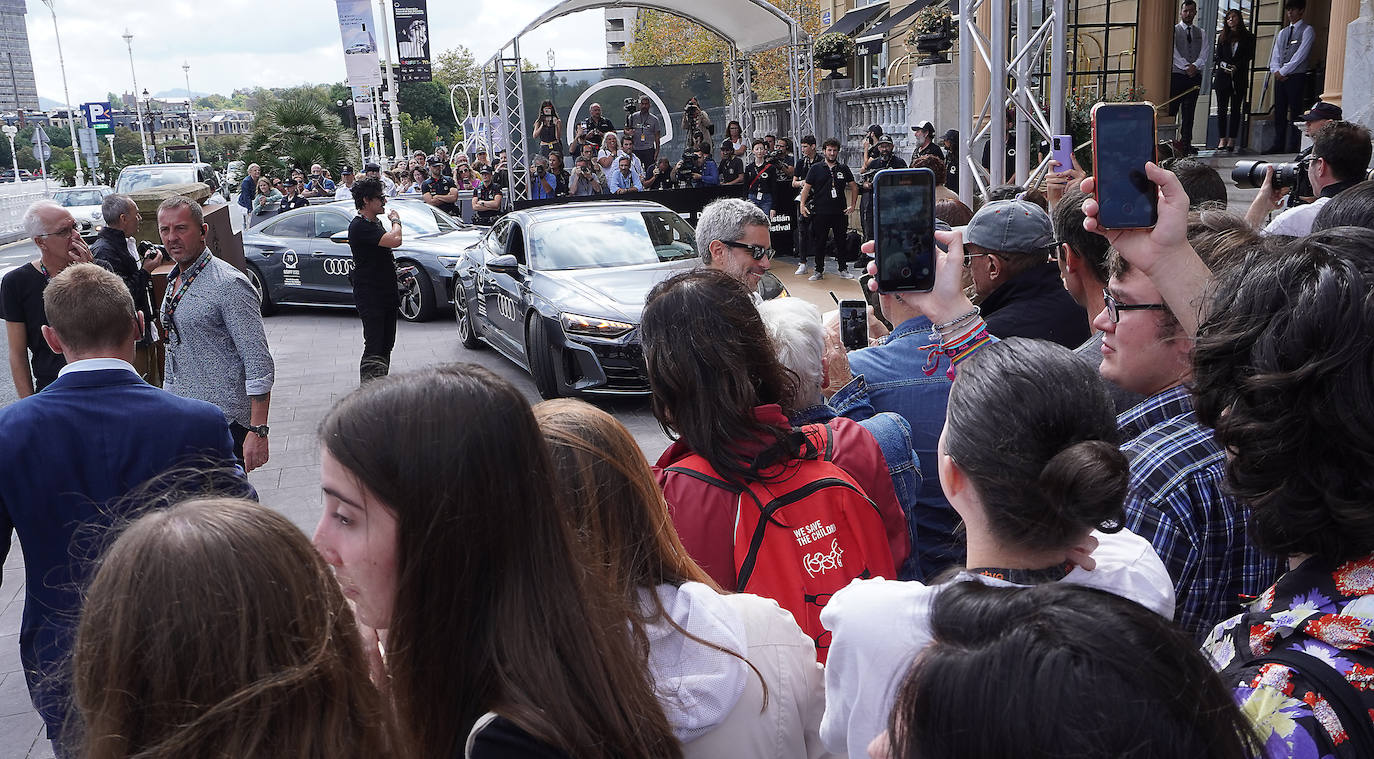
1231, 76
443, 522
548, 129
734, 673
213, 629
1078, 672
735, 134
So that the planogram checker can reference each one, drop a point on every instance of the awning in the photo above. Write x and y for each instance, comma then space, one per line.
752, 25
872, 41
852, 21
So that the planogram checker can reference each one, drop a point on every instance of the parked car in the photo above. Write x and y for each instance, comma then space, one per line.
559, 290
83, 203
150, 175
302, 257
24, 175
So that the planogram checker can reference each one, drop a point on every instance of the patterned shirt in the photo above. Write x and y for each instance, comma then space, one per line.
1321, 609
217, 349
1176, 501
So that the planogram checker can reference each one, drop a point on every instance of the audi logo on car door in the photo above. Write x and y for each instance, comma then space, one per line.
339, 267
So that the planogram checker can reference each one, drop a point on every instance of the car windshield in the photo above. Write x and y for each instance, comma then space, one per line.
620, 239
78, 198
420, 219
135, 179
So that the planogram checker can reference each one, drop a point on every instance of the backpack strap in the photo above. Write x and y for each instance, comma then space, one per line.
746, 567
698, 468
477, 727
1344, 699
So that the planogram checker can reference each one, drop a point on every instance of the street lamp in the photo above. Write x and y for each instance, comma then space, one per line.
142, 138
349, 105
152, 123
71, 117
10, 131
113, 160
190, 107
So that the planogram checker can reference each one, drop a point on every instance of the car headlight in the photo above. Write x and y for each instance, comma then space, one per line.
449, 262
594, 326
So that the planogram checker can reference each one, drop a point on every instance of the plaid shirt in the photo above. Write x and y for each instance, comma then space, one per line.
1176, 500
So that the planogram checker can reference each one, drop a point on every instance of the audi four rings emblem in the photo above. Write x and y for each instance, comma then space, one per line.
339, 267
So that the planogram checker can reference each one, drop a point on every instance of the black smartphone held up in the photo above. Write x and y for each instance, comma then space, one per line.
854, 324
1123, 141
904, 229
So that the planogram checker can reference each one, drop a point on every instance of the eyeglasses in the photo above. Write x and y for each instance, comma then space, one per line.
757, 252
1115, 308
63, 232
968, 257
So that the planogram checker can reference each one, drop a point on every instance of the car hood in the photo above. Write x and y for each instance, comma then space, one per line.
616, 293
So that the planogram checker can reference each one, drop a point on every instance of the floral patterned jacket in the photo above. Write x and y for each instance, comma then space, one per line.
1323, 610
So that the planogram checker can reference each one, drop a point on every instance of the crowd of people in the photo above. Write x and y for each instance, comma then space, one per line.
1099, 493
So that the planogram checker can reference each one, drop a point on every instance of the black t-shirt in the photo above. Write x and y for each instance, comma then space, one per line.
875, 166
730, 168
374, 267
488, 192
21, 300
829, 187
440, 186
758, 181
503, 739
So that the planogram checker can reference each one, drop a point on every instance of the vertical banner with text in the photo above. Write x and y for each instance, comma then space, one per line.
412, 40
359, 42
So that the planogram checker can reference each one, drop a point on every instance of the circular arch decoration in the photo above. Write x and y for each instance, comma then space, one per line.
639, 87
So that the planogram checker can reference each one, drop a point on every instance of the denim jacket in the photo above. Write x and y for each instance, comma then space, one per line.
894, 438
889, 377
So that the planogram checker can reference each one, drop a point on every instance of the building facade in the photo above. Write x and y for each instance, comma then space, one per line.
18, 91
620, 31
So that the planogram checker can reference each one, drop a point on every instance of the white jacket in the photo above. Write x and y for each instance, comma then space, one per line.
713, 700
878, 626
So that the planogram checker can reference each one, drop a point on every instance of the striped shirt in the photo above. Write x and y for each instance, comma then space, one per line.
217, 351
1176, 500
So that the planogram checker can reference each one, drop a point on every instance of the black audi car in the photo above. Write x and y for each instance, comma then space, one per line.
559, 290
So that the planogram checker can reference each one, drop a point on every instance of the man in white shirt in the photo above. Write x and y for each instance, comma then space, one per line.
1340, 157
344, 191
1192, 50
1288, 63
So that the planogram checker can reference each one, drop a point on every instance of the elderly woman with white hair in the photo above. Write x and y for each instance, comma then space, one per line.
798, 333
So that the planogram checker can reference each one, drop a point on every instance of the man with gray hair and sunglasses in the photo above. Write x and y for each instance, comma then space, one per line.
732, 237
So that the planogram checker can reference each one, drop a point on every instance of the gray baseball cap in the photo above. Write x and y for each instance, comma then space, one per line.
1010, 226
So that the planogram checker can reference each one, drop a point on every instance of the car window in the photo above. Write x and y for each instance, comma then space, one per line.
141, 178
620, 239
327, 223
79, 198
445, 222
300, 225
496, 240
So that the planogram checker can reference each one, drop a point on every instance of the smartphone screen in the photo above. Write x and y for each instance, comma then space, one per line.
854, 324
904, 229
1123, 140
1061, 150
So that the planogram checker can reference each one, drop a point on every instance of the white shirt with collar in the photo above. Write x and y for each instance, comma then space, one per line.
1296, 222
1204, 52
1298, 63
96, 365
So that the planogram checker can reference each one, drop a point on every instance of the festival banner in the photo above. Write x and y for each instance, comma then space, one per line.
412, 40
359, 42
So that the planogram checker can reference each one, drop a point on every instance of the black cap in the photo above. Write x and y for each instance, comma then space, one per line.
1323, 110
371, 167
885, 139
289, 182
347, 171
875, 129
951, 135
435, 161
727, 145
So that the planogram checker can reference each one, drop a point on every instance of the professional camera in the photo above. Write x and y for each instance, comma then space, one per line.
1250, 175
689, 162
631, 105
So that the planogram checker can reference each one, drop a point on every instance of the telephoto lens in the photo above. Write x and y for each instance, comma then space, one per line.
1250, 174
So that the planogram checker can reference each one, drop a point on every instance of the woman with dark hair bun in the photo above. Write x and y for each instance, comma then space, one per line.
1079, 673
442, 520
1029, 460
213, 629
734, 673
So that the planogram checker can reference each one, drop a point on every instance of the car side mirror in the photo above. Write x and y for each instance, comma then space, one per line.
340, 237
504, 264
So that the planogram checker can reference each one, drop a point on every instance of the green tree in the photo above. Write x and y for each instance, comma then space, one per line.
298, 131
457, 66
428, 101
418, 135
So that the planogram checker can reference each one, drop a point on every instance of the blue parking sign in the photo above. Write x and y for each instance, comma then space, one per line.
98, 117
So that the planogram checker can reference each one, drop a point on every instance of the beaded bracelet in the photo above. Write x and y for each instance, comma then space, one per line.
942, 327
957, 349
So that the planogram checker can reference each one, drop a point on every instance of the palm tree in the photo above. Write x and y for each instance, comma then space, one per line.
301, 131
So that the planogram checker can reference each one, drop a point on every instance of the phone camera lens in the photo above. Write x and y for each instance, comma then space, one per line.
906, 272
1127, 207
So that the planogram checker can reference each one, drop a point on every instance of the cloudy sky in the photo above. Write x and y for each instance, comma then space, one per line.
268, 43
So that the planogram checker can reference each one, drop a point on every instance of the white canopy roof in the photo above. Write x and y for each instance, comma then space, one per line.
752, 25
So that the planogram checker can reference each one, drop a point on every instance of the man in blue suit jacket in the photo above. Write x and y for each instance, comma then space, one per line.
82, 457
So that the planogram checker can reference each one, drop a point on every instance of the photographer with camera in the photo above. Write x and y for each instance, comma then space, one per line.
696, 169
543, 183
594, 122
696, 123
586, 177
761, 176
883, 160
661, 178
809, 157
1340, 158
548, 129
731, 166
646, 130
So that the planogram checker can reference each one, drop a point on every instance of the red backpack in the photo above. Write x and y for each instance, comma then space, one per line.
802, 532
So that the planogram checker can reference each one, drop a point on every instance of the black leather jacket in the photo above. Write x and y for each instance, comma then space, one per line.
112, 252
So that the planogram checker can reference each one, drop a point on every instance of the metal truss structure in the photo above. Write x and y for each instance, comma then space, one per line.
1019, 62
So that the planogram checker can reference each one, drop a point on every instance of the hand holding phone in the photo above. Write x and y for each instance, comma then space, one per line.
854, 324
1061, 150
904, 229
1123, 142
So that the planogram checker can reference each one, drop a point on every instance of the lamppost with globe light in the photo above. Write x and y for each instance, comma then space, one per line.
10, 131
142, 138
71, 117
190, 107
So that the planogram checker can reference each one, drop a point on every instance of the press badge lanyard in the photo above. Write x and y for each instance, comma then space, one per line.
1026, 576
172, 300
834, 190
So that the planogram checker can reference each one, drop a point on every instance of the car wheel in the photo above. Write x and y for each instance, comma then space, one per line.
537, 350
260, 287
467, 328
418, 303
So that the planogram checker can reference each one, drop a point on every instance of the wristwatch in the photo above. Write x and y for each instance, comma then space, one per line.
259, 430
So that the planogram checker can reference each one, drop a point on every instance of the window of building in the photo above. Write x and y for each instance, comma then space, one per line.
1101, 46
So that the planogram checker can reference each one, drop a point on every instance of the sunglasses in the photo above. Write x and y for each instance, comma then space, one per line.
1114, 308
757, 252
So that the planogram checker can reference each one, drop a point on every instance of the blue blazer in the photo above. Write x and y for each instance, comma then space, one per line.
69, 456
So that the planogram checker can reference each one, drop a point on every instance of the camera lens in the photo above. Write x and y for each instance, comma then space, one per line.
1248, 174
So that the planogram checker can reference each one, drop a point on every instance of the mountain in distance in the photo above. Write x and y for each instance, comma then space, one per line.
179, 92
48, 104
